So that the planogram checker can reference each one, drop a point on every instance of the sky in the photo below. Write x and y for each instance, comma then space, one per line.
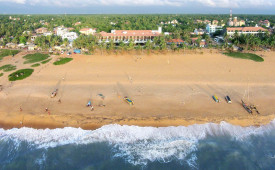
136, 6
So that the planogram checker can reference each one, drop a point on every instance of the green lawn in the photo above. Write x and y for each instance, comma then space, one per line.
35, 65
61, 61
46, 61
8, 67
34, 58
248, 56
1, 74
6, 52
20, 74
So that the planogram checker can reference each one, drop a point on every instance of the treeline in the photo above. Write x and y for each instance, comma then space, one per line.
252, 42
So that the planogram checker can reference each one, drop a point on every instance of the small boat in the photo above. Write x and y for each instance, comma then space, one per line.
129, 101
216, 99
89, 104
54, 93
228, 100
246, 107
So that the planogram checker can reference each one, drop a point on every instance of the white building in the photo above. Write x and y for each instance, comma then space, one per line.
88, 31
64, 33
212, 28
71, 36
48, 33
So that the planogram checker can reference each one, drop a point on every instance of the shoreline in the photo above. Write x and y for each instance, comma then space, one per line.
46, 122
168, 90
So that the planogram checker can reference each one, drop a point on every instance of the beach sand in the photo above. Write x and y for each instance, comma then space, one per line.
170, 89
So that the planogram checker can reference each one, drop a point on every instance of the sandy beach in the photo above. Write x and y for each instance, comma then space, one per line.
170, 89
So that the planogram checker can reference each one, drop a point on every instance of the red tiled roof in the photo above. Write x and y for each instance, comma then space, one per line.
87, 29
176, 41
244, 29
130, 33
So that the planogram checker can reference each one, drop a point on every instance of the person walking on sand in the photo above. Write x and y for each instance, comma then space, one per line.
46, 109
21, 109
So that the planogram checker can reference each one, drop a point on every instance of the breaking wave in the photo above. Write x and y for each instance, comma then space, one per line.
137, 145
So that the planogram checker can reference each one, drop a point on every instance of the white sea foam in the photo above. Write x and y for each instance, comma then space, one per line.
137, 145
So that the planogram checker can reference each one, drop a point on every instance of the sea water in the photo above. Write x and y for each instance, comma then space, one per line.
207, 146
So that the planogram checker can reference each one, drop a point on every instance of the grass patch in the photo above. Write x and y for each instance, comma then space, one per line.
35, 65
8, 67
1, 74
20, 74
62, 61
6, 52
248, 56
46, 61
34, 58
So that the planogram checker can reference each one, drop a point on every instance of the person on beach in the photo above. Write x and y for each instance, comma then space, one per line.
92, 108
21, 109
46, 109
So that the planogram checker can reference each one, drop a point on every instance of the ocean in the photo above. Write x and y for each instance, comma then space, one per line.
208, 146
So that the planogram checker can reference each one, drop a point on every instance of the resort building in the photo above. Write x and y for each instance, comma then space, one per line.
265, 23
64, 33
198, 32
77, 23
41, 30
215, 22
245, 30
137, 36
88, 31
213, 28
177, 42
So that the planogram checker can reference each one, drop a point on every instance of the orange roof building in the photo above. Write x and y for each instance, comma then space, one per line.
138, 36
244, 30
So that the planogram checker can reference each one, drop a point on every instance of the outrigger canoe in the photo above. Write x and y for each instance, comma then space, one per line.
216, 99
54, 93
246, 107
129, 101
89, 104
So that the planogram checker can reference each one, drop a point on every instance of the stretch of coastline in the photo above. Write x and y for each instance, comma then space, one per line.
172, 89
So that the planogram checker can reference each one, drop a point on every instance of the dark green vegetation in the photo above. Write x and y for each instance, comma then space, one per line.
6, 52
33, 58
20, 74
8, 67
13, 31
35, 65
62, 61
46, 61
1, 74
248, 56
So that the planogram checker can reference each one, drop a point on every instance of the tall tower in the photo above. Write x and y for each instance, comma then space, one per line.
230, 19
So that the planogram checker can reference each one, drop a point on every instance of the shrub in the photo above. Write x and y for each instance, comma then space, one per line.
62, 61
248, 56
20, 74
8, 67
34, 58
35, 65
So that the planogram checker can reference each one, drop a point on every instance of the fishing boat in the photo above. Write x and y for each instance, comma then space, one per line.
89, 104
246, 107
216, 99
228, 100
54, 93
129, 101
